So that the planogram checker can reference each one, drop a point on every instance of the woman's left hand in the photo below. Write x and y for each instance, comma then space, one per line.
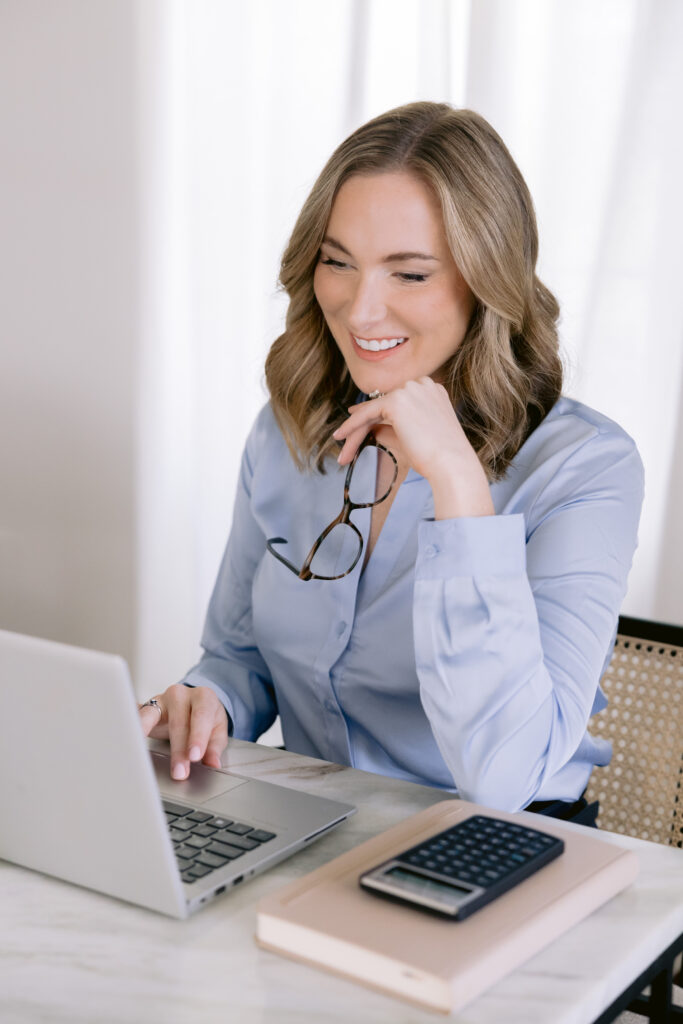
431, 440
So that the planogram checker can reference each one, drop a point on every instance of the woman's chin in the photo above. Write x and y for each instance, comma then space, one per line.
367, 382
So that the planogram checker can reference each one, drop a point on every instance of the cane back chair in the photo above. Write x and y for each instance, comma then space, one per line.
641, 790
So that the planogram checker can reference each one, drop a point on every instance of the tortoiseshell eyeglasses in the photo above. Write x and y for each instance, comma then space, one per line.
340, 543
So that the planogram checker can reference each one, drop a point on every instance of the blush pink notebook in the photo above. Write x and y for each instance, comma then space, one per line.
327, 920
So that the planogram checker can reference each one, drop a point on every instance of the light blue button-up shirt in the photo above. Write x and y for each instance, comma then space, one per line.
467, 654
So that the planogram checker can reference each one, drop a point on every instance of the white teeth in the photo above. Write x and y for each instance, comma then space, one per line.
377, 346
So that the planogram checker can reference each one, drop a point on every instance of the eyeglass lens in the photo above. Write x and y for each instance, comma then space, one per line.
337, 552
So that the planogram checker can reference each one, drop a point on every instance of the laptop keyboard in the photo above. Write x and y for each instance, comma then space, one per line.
204, 842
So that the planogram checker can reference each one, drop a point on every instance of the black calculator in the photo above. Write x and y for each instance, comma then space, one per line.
461, 869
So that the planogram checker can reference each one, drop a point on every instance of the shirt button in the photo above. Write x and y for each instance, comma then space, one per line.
329, 705
341, 629
432, 551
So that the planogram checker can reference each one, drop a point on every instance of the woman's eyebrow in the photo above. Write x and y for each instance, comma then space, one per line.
395, 257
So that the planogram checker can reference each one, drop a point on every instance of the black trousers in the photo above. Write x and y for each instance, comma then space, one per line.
580, 812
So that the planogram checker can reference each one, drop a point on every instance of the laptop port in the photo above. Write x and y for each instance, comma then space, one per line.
240, 878
219, 890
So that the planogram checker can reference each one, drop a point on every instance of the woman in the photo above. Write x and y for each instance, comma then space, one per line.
462, 646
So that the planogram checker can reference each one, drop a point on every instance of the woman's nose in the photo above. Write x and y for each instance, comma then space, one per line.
367, 305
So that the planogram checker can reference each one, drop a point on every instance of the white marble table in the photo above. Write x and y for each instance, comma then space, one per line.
69, 955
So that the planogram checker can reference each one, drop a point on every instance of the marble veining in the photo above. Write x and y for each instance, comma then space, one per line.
74, 956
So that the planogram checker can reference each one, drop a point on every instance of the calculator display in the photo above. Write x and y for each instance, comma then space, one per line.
427, 886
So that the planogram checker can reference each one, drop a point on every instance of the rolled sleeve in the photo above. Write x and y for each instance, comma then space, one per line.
513, 620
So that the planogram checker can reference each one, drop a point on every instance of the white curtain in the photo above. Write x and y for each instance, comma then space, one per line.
242, 104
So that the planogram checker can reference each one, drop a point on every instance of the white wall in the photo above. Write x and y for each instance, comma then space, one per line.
68, 320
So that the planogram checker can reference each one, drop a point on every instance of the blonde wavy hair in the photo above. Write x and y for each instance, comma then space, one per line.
506, 374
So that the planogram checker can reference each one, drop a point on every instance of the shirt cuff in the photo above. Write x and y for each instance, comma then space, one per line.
471, 546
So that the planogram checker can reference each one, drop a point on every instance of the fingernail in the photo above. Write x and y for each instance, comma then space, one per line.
179, 771
195, 753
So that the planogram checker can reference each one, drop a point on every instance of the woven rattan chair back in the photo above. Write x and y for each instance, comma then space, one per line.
641, 790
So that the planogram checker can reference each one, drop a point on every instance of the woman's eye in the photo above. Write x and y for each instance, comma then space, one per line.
329, 262
414, 277
403, 276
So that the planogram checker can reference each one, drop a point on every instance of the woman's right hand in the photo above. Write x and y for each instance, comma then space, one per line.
195, 722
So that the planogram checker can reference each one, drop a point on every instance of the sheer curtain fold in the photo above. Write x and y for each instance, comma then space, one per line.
629, 349
244, 103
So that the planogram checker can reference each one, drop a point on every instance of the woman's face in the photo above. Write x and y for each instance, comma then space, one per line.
392, 296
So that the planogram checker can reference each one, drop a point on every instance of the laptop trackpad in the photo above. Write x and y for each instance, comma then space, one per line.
203, 784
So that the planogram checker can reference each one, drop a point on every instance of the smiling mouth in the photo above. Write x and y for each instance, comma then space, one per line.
377, 344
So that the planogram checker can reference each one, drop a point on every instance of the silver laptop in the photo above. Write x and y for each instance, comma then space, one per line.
83, 797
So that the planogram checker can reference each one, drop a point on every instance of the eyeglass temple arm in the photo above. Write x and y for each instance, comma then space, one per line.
281, 558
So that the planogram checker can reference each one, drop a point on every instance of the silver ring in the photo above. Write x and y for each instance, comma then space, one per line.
153, 703
377, 394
